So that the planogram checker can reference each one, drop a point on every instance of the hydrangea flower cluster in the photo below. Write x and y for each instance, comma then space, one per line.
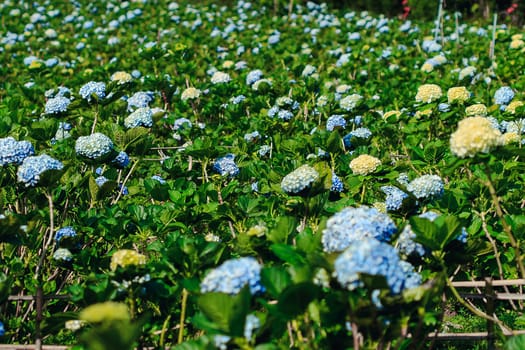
428, 93
426, 187
283, 108
220, 78
93, 88
94, 146
226, 165
125, 258
337, 184
140, 99
354, 224
232, 275
299, 180
121, 77
503, 95
13, 151
478, 109
364, 164
182, 123
351, 102
57, 105
474, 135
335, 121
33, 167
63, 255
67, 231
357, 136
394, 197
458, 94
373, 257
254, 76
121, 160
140, 117
190, 93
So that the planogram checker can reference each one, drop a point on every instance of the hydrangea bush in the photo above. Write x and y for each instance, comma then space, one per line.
275, 185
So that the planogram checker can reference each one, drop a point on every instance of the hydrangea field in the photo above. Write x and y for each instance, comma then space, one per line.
196, 175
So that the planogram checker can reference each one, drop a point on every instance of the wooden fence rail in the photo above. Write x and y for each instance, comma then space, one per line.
487, 293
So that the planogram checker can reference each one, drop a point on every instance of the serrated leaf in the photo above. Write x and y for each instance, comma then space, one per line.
275, 279
228, 312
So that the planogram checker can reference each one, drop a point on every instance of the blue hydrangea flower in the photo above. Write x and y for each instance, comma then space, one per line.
300, 179
357, 136
252, 136
101, 180
254, 76
354, 224
237, 99
251, 324
67, 231
503, 95
158, 178
337, 184
284, 115
57, 105
373, 257
182, 123
394, 197
403, 179
264, 150
93, 87
2, 329
14, 152
139, 99
94, 146
62, 255
335, 121
226, 165
140, 117
121, 160
444, 107
233, 275
426, 187
32, 167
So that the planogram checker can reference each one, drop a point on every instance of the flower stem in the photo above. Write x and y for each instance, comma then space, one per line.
182, 315
504, 223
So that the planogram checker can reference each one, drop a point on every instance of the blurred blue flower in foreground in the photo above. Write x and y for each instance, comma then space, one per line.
226, 165
373, 257
353, 225
13, 151
32, 167
233, 275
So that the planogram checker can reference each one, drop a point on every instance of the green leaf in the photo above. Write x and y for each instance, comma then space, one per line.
426, 232
284, 227
275, 279
334, 144
295, 299
228, 312
515, 343
287, 253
